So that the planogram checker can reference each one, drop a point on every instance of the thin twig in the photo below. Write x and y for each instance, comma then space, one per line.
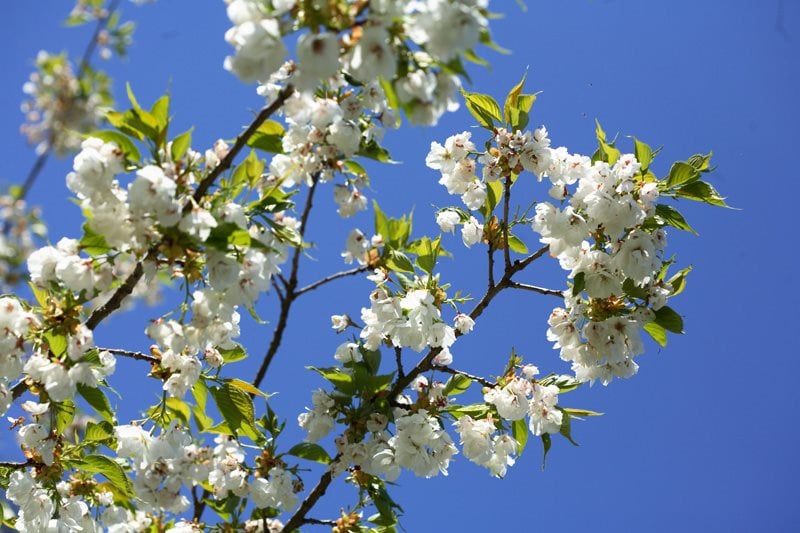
11, 464
534, 288
318, 522
316, 493
328, 279
139, 356
446, 369
398, 357
290, 294
506, 202
278, 290
491, 265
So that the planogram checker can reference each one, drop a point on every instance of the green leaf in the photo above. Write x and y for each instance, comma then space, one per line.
234, 354
633, 290
701, 162
580, 412
484, 108
546, 443
181, 144
310, 452
105, 466
516, 244
579, 283
246, 387
131, 97
669, 216
643, 153
373, 150
98, 400
678, 281
41, 295
339, 379
519, 430
457, 384
563, 382
669, 320
268, 137
494, 191
121, 140
605, 151
92, 242
399, 262
511, 100
57, 343
427, 253
658, 333
98, 432
160, 112
235, 406
65, 414
566, 427
701, 191
478, 411
391, 98
355, 168
681, 173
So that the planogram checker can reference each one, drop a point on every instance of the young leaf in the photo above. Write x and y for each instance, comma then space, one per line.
181, 144
546, 443
669, 216
681, 173
669, 320
658, 333
457, 384
519, 430
98, 400
105, 466
484, 108
311, 452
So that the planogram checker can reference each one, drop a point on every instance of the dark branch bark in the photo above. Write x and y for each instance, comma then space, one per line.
534, 288
332, 277
139, 356
291, 291
483, 381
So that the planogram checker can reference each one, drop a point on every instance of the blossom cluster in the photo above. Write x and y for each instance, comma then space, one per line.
60, 108
20, 230
599, 236
373, 46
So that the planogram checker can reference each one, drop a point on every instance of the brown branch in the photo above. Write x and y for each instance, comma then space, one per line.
426, 362
8, 464
491, 265
240, 143
122, 292
290, 291
139, 356
398, 357
332, 277
318, 522
483, 381
506, 202
299, 517
534, 288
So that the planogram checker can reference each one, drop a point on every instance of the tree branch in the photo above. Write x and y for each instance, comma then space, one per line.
534, 288
491, 265
139, 356
316, 493
290, 294
506, 202
332, 277
318, 522
398, 357
446, 369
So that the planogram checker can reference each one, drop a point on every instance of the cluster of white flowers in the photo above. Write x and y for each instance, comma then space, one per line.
20, 228
63, 264
523, 396
419, 444
483, 447
37, 508
357, 246
318, 422
369, 51
15, 322
58, 111
598, 236
412, 320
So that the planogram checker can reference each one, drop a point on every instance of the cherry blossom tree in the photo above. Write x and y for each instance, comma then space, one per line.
227, 225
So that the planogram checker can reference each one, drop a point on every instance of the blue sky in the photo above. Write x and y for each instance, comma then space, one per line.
704, 438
